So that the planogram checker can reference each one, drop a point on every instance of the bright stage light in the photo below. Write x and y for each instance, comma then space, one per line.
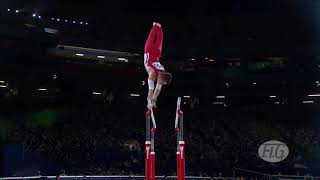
123, 59
308, 102
42, 89
220, 97
314, 95
135, 95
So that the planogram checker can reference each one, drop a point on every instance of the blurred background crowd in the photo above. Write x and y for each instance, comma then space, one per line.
108, 139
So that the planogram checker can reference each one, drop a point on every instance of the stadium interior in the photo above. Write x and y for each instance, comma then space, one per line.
73, 87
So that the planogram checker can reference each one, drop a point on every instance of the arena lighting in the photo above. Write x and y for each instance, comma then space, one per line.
34, 15
2, 82
101, 57
52, 18
123, 59
272, 96
308, 102
211, 60
66, 20
79, 54
81, 22
73, 22
314, 95
58, 19
86, 23
134, 95
277, 102
254, 83
42, 89
192, 59
51, 31
220, 97
8, 10
3, 86
96, 93
17, 11
39, 17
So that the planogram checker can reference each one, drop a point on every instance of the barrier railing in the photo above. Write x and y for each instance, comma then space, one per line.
250, 174
110, 177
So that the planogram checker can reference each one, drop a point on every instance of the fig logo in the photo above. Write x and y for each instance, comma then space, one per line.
273, 151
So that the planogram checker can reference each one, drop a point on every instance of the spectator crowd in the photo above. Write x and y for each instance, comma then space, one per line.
108, 140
